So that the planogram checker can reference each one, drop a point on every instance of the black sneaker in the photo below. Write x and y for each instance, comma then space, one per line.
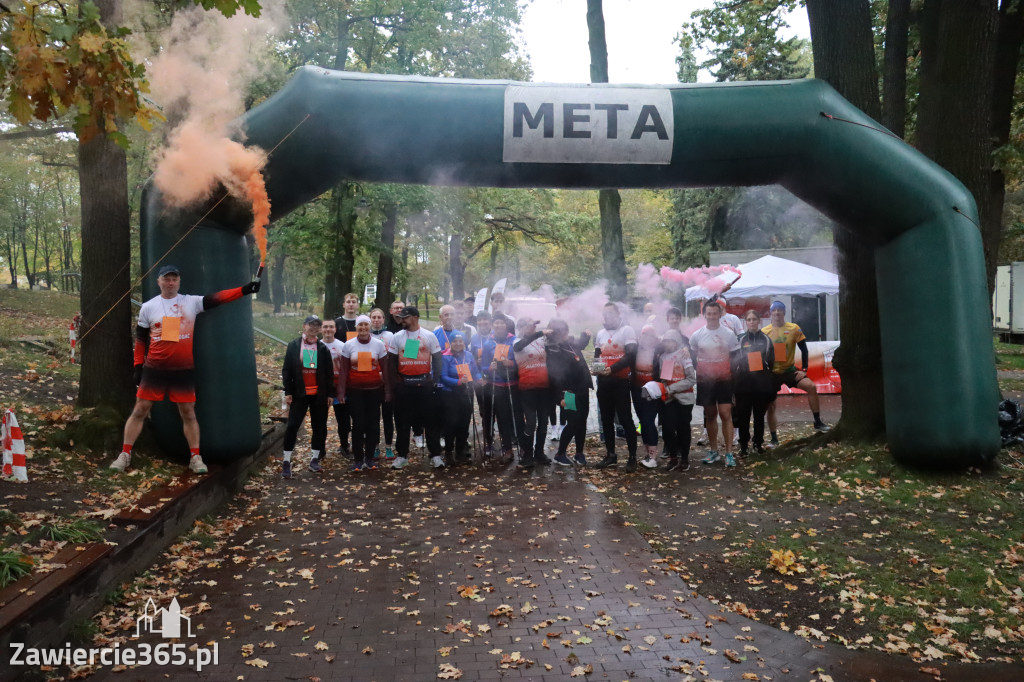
742, 452
773, 444
562, 461
542, 459
286, 469
344, 451
672, 464
314, 465
684, 465
526, 462
580, 459
821, 427
608, 461
631, 464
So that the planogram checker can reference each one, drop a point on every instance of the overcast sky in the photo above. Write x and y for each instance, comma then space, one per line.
640, 36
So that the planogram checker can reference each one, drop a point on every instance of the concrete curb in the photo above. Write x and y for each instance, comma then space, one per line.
48, 623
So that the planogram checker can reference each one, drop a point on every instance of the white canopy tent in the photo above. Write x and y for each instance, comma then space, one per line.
772, 276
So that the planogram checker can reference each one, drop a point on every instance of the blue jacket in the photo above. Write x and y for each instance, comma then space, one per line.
503, 376
450, 372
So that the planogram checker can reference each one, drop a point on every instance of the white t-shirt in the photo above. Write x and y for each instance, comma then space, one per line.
713, 348
152, 315
369, 377
612, 343
384, 335
335, 348
733, 324
428, 345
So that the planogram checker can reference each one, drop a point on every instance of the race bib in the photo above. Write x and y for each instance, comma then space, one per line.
170, 329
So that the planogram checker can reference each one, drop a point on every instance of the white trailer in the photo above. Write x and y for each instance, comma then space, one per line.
1008, 303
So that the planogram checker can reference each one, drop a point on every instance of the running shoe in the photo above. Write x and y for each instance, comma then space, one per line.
122, 462
286, 469
712, 457
418, 441
562, 461
399, 462
527, 462
672, 463
357, 467
389, 453
437, 462
631, 464
542, 459
314, 465
649, 462
703, 440
742, 453
821, 427
676, 464
376, 454
730, 461
370, 466
620, 432
580, 459
608, 461
773, 444
196, 465
344, 451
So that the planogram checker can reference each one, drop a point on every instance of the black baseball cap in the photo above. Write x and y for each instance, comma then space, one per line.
409, 311
169, 270
310, 319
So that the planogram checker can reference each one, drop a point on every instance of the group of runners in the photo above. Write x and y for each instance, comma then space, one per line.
500, 382
497, 383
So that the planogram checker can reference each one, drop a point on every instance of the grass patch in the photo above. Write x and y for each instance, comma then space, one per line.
76, 530
13, 565
1009, 356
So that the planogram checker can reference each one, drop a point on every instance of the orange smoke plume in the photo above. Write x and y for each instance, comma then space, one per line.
256, 192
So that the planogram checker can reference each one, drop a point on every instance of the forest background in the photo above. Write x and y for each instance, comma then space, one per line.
80, 137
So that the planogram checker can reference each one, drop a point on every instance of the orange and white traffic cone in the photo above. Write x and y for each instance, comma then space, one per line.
14, 448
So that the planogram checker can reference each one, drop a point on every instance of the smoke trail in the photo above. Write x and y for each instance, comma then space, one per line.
201, 80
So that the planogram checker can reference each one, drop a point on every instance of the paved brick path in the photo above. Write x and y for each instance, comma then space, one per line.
389, 553
370, 577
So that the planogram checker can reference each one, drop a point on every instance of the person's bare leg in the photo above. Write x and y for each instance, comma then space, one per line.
711, 421
773, 425
189, 424
133, 425
725, 412
807, 385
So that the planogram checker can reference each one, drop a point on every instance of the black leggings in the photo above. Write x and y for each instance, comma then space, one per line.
576, 424
508, 412
364, 408
613, 399
388, 412
416, 406
485, 399
536, 409
317, 419
747, 403
457, 406
341, 416
675, 429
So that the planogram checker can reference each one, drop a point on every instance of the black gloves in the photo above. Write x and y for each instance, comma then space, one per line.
250, 288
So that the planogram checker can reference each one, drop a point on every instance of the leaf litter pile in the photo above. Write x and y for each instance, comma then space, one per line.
841, 544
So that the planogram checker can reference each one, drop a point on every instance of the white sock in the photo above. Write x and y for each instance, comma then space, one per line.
316, 454
287, 455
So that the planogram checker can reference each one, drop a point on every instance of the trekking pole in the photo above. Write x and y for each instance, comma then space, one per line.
477, 456
515, 432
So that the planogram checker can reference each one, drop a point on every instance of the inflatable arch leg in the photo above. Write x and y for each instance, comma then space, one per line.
940, 382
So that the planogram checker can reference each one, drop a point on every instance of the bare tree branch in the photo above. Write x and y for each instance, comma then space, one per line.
35, 132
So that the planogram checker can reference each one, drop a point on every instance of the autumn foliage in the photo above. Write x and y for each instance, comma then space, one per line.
58, 60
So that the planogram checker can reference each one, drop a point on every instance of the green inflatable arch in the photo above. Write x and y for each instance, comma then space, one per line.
937, 359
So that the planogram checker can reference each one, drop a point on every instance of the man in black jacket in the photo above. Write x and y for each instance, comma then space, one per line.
308, 378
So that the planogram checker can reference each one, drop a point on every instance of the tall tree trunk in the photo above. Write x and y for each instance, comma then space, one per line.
894, 78
456, 268
106, 376
277, 278
954, 117
341, 256
609, 201
1007, 62
844, 57
386, 260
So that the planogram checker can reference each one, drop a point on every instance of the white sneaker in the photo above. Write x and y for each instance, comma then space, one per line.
649, 462
122, 462
399, 462
417, 441
437, 462
703, 440
196, 465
